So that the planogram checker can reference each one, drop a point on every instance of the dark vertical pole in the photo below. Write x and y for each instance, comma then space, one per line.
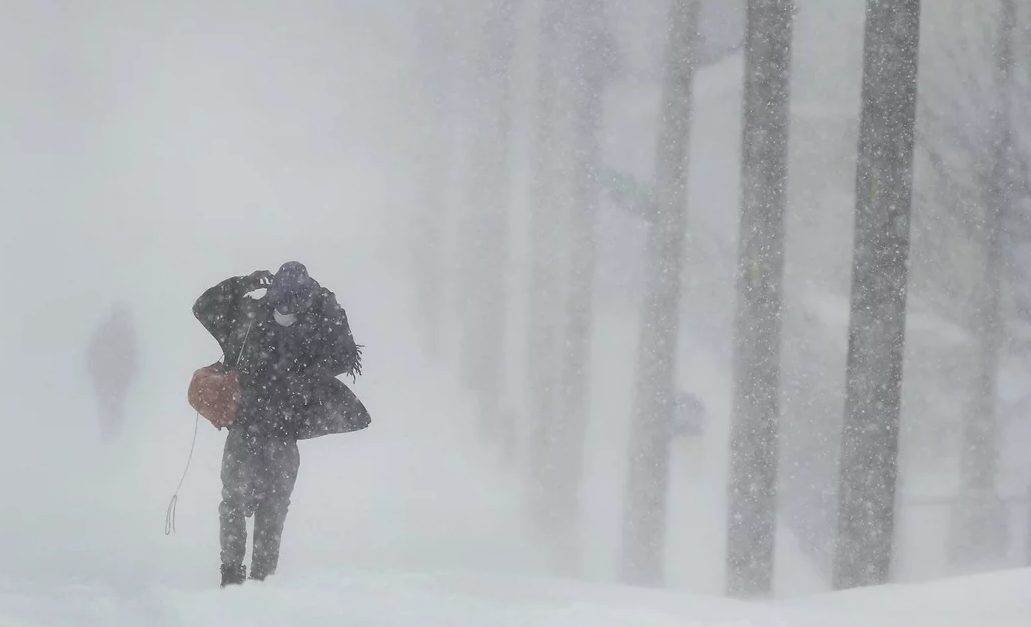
644, 514
752, 515
877, 325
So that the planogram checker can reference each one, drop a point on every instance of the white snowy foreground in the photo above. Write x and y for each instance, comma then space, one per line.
428, 599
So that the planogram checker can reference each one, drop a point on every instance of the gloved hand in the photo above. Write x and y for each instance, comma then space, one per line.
257, 280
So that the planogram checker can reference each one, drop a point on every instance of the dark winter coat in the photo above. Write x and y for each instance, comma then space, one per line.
288, 375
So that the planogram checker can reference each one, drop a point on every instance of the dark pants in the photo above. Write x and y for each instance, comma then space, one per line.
258, 476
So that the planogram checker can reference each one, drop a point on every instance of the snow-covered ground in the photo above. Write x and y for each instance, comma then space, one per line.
396, 597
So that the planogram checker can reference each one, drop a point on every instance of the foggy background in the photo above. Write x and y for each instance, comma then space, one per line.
150, 150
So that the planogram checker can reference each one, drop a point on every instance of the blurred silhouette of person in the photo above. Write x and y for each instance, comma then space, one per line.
287, 347
111, 362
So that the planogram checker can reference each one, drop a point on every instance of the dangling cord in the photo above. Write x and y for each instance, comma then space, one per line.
170, 512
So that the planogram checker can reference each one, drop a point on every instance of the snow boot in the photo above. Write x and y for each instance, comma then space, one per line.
260, 571
233, 575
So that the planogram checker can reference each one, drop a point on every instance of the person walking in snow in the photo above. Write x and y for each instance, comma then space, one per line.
288, 347
111, 362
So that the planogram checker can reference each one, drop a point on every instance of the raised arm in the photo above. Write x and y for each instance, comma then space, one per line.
217, 307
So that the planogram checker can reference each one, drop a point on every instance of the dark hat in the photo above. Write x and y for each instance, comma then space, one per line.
292, 290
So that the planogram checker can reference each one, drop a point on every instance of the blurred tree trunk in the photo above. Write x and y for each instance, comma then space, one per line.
489, 207
432, 144
590, 62
544, 332
752, 513
981, 522
644, 514
468, 31
884, 180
